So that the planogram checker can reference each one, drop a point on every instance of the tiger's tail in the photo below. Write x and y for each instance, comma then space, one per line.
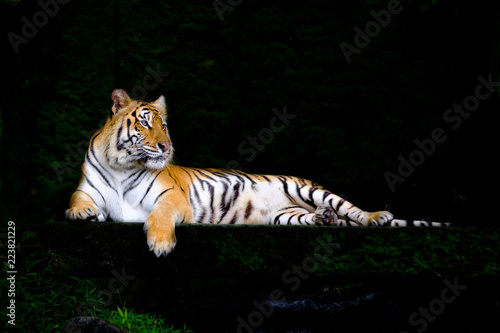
342, 221
417, 223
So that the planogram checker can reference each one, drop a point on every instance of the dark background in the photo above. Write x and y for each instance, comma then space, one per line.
352, 120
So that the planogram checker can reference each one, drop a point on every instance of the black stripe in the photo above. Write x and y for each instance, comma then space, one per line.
253, 182
277, 218
308, 202
133, 184
311, 193
234, 219
159, 195
168, 170
119, 144
268, 180
132, 175
205, 175
235, 173
129, 122
195, 194
149, 187
290, 207
339, 204
356, 214
211, 189
196, 202
102, 168
225, 206
285, 186
236, 192
100, 172
193, 197
175, 180
202, 217
199, 180
248, 210
95, 188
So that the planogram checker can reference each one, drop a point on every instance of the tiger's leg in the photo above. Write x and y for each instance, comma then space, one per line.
350, 212
165, 215
160, 229
296, 215
347, 210
311, 195
293, 215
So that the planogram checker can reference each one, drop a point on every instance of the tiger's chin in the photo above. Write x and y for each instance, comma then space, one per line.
156, 163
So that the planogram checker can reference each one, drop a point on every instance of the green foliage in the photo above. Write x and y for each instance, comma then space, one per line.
46, 300
130, 321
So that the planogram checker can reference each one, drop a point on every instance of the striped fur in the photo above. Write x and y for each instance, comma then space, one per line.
127, 176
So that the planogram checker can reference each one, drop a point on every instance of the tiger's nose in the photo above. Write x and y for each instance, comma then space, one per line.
164, 146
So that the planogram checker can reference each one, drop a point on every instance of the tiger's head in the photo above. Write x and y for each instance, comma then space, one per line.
136, 133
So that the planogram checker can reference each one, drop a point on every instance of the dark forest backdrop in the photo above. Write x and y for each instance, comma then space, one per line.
228, 71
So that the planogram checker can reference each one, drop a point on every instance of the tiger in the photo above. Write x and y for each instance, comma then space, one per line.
128, 176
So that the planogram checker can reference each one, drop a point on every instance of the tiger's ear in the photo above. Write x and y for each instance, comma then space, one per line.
120, 100
160, 105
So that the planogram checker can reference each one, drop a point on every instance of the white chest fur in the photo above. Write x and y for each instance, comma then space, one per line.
122, 196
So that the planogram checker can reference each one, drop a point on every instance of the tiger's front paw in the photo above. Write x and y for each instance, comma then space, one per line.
160, 240
83, 211
379, 218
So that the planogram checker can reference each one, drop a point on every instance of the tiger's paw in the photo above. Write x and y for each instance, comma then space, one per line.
160, 240
84, 211
325, 215
380, 218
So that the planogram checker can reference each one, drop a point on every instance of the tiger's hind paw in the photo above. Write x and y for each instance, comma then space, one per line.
325, 215
380, 218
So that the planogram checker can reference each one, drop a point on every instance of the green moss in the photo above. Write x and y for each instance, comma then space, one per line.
232, 252
431, 251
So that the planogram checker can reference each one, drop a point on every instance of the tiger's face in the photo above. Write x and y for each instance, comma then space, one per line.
138, 136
